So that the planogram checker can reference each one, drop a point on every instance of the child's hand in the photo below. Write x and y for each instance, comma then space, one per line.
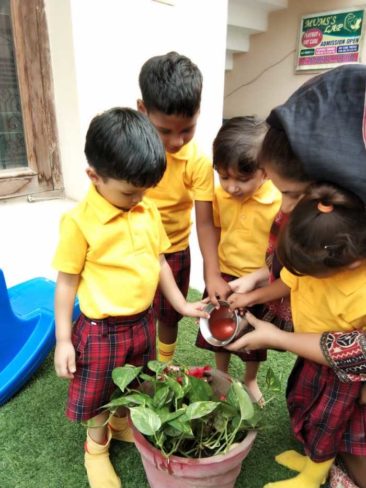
65, 359
196, 309
216, 288
240, 300
243, 284
265, 335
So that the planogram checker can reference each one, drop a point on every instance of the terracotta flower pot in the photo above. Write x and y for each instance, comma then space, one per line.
180, 472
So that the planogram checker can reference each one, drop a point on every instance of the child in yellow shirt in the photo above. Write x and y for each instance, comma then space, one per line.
300, 148
110, 254
171, 86
245, 205
323, 250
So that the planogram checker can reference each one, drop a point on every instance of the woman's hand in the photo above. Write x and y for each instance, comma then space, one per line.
264, 336
240, 301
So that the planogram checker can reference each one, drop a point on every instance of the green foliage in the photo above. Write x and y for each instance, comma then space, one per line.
37, 440
180, 411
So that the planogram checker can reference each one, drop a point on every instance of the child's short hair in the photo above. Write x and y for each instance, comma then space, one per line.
171, 84
121, 143
276, 153
325, 231
237, 143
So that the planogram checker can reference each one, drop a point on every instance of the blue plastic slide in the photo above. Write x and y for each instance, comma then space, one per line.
27, 331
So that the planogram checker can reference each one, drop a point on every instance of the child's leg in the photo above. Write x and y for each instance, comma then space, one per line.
98, 466
250, 381
362, 399
120, 429
167, 340
168, 318
222, 360
356, 467
312, 476
105, 344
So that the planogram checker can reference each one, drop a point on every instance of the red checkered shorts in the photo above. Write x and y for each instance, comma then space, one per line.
325, 414
101, 346
180, 263
258, 355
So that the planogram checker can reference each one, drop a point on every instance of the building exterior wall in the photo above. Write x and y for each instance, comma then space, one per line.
98, 48
265, 76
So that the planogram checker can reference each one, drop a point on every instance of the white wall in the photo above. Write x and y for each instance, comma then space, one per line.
98, 48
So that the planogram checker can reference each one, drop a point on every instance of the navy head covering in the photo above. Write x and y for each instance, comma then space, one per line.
325, 122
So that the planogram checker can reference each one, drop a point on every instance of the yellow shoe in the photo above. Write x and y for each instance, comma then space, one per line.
312, 476
100, 471
292, 460
120, 429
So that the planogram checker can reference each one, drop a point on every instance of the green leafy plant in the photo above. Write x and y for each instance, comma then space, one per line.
179, 410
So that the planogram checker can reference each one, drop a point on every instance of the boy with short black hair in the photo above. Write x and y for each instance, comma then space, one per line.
171, 87
110, 255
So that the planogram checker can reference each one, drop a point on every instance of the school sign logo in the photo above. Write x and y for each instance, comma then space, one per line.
328, 39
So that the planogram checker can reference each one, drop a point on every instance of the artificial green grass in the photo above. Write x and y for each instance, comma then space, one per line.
40, 448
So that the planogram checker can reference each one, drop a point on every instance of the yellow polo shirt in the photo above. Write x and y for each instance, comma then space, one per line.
336, 303
188, 177
115, 252
245, 227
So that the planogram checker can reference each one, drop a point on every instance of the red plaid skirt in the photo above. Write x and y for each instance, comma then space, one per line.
325, 414
258, 355
101, 346
278, 311
180, 263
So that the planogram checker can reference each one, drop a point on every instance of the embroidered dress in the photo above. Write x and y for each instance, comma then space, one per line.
346, 354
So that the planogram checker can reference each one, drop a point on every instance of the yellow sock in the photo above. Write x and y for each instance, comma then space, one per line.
166, 351
292, 460
100, 471
312, 476
121, 431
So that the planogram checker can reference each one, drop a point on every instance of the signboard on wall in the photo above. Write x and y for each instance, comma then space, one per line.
328, 39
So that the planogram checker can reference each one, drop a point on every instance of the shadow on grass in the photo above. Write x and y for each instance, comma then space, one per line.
40, 448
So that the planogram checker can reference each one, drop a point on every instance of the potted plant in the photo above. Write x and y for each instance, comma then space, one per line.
192, 426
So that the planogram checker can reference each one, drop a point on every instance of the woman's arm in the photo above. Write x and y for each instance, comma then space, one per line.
268, 336
344, 352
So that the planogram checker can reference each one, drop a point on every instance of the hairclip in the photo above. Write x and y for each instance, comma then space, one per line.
325, 208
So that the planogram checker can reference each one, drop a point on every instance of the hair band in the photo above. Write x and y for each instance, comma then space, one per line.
325, 208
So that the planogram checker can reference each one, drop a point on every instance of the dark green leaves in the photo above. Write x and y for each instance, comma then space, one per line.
177, 410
